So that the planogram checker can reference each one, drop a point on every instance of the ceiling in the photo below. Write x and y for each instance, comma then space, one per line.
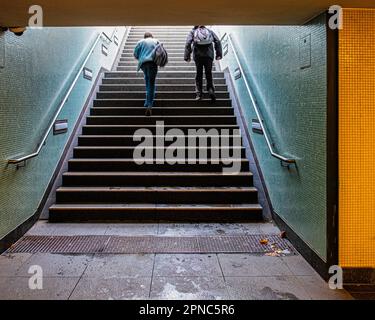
170, 12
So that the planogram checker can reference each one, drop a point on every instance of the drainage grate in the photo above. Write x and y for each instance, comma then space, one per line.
150, 244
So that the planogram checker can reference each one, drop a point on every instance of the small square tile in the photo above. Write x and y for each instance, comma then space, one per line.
192, 265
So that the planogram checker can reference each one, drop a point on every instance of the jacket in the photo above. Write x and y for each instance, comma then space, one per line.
144, 50
202, 51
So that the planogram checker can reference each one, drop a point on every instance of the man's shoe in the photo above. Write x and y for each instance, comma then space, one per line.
212, 95
148, 112
198, 97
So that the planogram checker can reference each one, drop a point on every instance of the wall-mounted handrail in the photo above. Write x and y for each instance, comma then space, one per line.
71, 87
255, 105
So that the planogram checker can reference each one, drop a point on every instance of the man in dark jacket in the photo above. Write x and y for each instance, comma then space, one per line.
203, 55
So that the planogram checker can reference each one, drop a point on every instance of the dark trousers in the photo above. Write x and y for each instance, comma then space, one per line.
206, 63
150, 70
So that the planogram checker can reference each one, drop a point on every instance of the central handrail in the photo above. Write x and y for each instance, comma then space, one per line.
71, 87
253, 101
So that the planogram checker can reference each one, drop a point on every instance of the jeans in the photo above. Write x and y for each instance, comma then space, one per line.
206, 63
150, 70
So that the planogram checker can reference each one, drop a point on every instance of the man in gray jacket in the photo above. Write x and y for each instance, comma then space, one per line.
201, 42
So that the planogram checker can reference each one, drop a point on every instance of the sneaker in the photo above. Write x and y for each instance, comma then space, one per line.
198, 97
212, 95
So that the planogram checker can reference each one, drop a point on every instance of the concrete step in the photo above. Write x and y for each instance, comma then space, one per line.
160, 88
128, 152
117, 140
132, 62
167, 42
169, 47
190, 68
111, 129
153, 30
161, 179
143, 212
172, 56
214, 111
176, 103
112, 165
168, 67
159, 81
156, 195
163, 38
179, 50
161, 74
174, 31
168, 120
159, 95
172, 61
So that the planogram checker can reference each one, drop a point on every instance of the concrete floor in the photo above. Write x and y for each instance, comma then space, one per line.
162, 276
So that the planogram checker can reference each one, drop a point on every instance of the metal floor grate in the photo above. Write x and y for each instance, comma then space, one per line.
150, 244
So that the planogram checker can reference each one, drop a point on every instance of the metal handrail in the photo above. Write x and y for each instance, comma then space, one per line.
110, 39
45, 136
268, 141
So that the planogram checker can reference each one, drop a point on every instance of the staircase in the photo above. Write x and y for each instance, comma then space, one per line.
103, 182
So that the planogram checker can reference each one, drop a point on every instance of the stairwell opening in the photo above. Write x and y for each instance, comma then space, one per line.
103, 180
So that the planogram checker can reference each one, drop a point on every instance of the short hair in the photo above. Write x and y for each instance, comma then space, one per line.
148, 35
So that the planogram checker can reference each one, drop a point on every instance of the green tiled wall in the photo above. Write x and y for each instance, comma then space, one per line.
293, 103
38, 69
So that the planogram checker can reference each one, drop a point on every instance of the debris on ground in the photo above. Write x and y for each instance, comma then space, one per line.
263, 241
283, 234
277, 252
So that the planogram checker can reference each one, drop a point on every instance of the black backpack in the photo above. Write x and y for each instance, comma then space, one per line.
160, 55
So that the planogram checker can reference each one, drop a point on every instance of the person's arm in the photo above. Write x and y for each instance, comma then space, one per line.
137, 49
218, 47
188, 49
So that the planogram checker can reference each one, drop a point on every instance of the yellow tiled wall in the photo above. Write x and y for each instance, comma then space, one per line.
357, 139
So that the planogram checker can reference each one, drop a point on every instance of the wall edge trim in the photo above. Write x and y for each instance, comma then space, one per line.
332, 147
301, 246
